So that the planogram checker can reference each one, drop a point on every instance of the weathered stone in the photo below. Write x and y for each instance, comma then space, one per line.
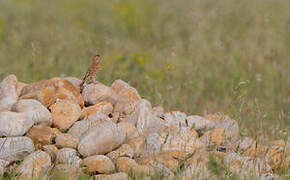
51, 150
128, 165
81, 127
14, 124
64, 114
15, 148
184, 139
124, 151
127, 96
129, 130
66, 140
99, 163
74, 81
66, 171
158, 111
35, 165
68, 156
96, 93
153, 144
249, 147
33, 110
8, 93
137, 144
175, 119
41, 134
47, 91
101, 139
214, 138
143, 118
199, 124
278, 156
116, 176
102, 107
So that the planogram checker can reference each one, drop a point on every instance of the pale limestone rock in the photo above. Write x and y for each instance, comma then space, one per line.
15, 148
51, 150
65, 114
158, 111
33, 110
101, 139
128, 165
99, 163
8, 93
19, 87
14, 124
116, 176
153, 144
175, 119
66, 140
35, 165
68, 156
96, 93
127, 97
41, 134
124, 151
138, 145
199, 124
74, 81
129, 130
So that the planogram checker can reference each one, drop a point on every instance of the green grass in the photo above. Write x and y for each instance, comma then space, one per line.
199, 56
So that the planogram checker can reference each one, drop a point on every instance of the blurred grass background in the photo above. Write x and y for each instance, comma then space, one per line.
199, 56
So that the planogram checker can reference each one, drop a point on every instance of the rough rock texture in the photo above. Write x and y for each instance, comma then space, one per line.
199, 124
51, 150
41, 134
8, 93
14, 124
66, 140
175, 119
47, 91
35, 165
74, 81
19, 87
64, 114
99, 163
102, 107
68, 156
101, 139
96, 93
128, 165
138, 145
129, 130
127, 96
15, 148
116, 176
34, 110
124, 151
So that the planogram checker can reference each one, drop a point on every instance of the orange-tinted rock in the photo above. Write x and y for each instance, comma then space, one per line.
128, 165
35, 165
102, 107
74, 81
278, 156
64, 114
128, 129
124, 151
19, 87
99, 163
137, 144
96, 93
47, 91
51, 150
127, 96
66, 140
41, 134
214, 138
250, 147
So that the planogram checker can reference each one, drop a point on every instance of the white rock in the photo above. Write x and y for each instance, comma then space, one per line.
68, 156
96, 93
8, 93
15, 148
153, 144
14, 124
101, 139
34, 110
175, 119
200, 124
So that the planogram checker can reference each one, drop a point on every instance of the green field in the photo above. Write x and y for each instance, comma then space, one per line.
199, 56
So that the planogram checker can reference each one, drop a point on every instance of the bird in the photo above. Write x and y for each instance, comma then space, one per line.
92, 71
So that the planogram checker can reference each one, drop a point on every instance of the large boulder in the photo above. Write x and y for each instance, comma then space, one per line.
8, 93
96, 93
127, 97
41, 134
101, 139
15, 148
34, 110
35, 165
99, 163
14, 124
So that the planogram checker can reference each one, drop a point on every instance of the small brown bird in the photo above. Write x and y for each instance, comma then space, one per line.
92, 71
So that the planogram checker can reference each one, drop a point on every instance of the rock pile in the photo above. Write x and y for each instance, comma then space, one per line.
112, 133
